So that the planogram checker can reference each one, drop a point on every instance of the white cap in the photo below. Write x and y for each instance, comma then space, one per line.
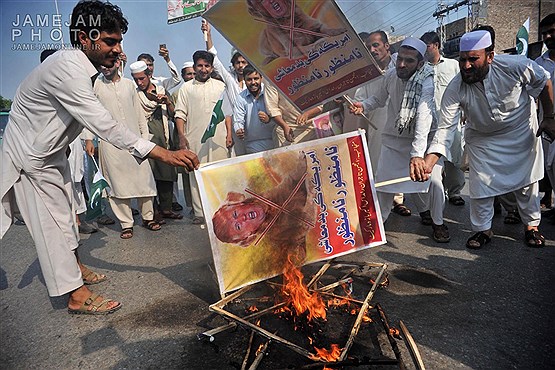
475, 40
187, 65
415, 43
137, 67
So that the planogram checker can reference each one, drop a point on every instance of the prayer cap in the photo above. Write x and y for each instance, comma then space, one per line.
475, 40
187, 65
137, 67
415, 43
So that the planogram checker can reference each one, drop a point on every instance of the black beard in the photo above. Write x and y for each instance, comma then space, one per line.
480, 75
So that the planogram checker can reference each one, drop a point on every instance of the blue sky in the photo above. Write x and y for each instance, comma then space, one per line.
148, 28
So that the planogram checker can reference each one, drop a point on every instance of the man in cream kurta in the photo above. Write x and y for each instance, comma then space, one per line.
50, 109
403, 147
495, 93
127, 178
193, 111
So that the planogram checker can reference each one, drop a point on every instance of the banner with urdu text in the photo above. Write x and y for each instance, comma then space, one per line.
306, 48
181, 10
307, 202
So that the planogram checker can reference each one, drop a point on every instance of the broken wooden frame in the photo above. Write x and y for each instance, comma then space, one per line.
218, 307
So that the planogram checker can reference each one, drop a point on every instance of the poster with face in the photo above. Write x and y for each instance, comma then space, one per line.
307, 49
304, 203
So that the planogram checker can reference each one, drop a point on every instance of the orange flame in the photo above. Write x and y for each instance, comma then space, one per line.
298, 296
330, 355
252, 308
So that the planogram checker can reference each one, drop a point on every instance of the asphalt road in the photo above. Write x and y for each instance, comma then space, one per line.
487, 309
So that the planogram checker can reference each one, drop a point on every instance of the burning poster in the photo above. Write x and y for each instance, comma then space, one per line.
306, 48
307, 202
181, 10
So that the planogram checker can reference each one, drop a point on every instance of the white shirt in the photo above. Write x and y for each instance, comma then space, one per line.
168, 83
500, 131
50, 109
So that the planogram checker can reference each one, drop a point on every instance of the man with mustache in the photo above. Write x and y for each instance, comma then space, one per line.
50, 109
496, 95
195, 103
250, 120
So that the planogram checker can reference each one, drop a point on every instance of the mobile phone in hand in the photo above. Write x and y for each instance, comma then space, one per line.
163, 46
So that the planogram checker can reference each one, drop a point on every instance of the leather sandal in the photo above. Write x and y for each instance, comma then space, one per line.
126, 233
401, 209
512, 218
480, 239
92, 307
90, 277
172, 215
151, 225
426, 218
457, 200
441, 233
534, 239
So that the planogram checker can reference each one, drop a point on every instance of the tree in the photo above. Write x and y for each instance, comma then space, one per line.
5, 103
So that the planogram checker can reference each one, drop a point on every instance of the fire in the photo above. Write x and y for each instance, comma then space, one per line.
297, 295
330, 355
252, 308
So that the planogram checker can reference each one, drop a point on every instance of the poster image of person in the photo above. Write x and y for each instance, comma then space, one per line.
278, 216
289, 33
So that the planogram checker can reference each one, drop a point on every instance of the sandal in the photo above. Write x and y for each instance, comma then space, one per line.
441, 233
457, 201
426, 218
151, 225
198, 220
402, 210
512, 218
126, 233
89, 307
105, 220
534, 239
478, 240
172, 215
90, 277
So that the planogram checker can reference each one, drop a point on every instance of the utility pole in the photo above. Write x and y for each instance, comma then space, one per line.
440, 7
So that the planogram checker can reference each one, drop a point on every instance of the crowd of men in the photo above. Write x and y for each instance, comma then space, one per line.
426, 108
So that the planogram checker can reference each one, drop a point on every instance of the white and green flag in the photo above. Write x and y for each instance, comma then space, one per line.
221, 109
522, 38
97, 186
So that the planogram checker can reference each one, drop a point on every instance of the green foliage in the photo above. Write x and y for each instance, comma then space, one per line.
5, 103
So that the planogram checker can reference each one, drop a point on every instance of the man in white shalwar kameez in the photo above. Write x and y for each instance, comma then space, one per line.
406, 132
50, 109
505, 155
547, 61
127, 178
195, 103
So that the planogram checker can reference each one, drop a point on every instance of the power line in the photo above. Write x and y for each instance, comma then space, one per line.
402, 15
351, 8
407, 19
359, 11
377, 11
401, 25
414, 30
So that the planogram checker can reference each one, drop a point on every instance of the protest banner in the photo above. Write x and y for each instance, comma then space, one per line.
307, 49
181, 10
307, 202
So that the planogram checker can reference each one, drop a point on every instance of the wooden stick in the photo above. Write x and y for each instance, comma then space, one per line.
231, 297
301, 351
412, 347
334, 285
319, 274
342, 297
260, 355
246, 359
361, 313
392, 181
350, 362
392, 341
210, 333
351, 103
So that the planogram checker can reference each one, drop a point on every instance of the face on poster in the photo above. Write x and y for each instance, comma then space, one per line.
307, 49
305, 203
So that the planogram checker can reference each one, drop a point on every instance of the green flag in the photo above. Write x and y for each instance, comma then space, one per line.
522, 38
217, 117
94, 205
